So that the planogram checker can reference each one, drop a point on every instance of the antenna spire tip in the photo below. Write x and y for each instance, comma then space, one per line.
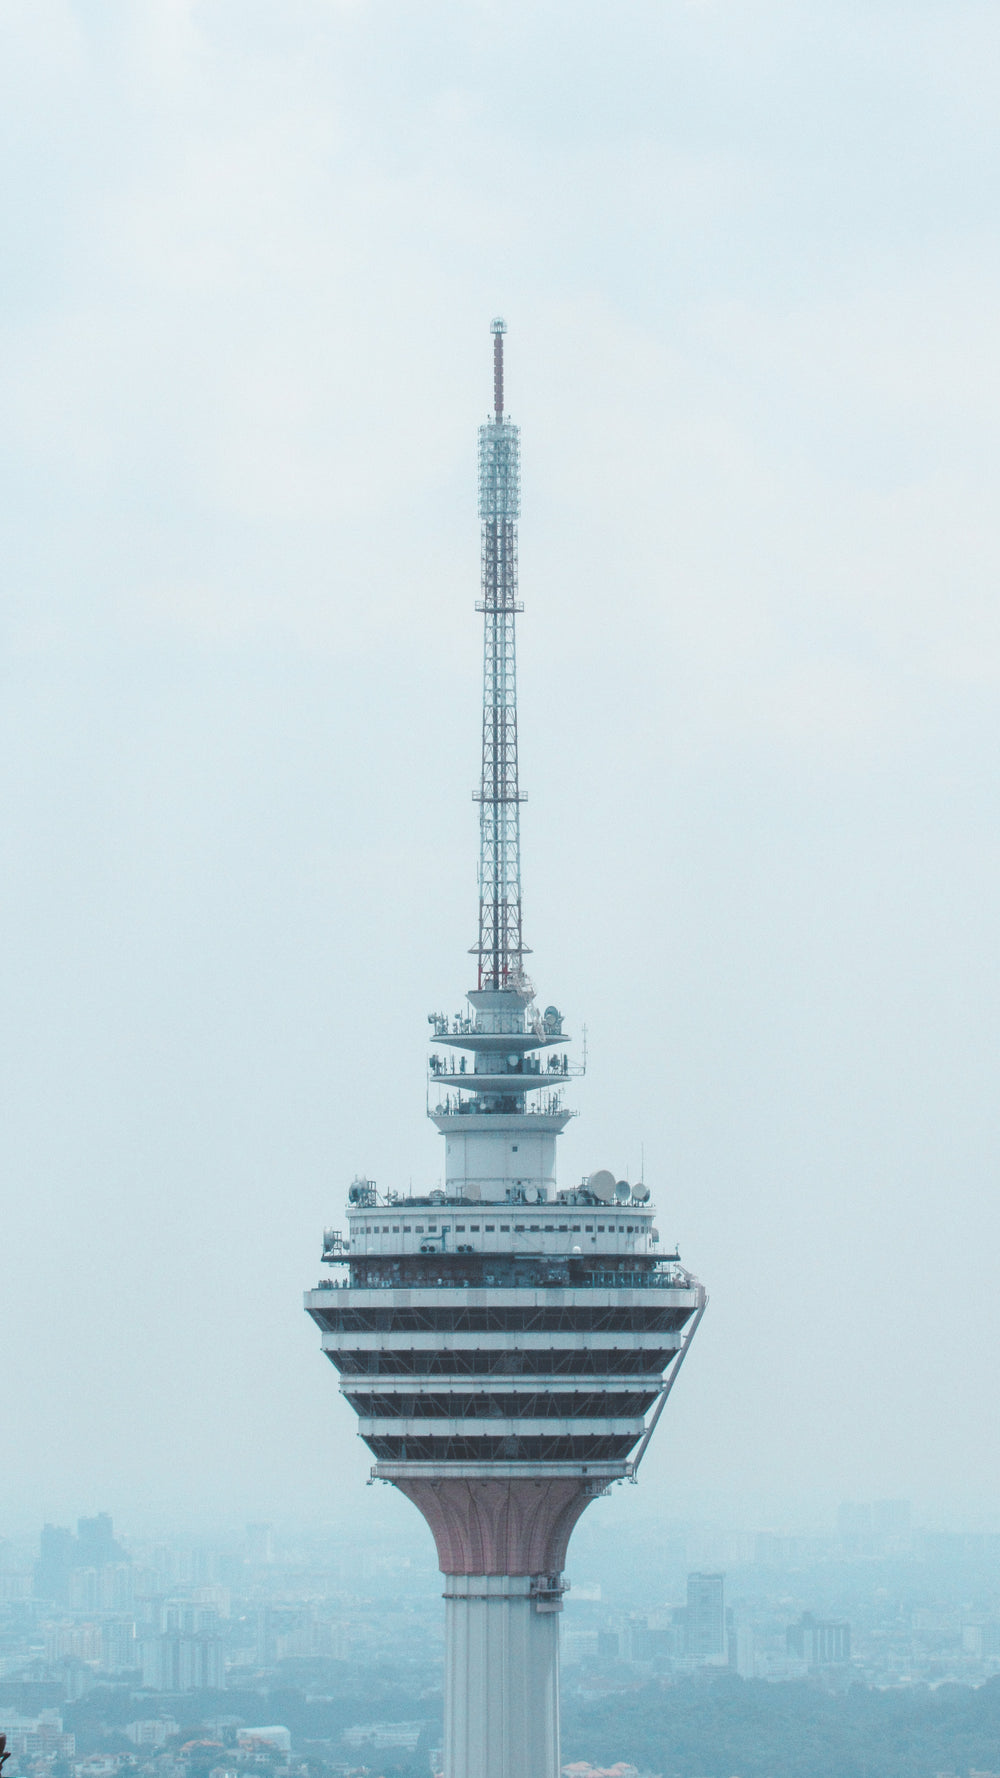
498, 325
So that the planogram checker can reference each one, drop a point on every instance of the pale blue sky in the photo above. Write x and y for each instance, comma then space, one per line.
748, 256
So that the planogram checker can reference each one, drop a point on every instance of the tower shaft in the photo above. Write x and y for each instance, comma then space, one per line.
501, 1680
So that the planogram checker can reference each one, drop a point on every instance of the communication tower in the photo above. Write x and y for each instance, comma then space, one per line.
507, 1344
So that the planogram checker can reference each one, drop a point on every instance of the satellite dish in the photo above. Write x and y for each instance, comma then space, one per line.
473, 1193
531, 1194
623, 1191
641, 1194
602, 1185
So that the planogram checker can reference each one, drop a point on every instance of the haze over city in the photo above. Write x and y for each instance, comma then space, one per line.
747, 257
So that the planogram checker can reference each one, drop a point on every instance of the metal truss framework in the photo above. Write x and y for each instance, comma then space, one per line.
501, 946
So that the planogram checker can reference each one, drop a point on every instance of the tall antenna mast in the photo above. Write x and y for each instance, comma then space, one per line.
501, 946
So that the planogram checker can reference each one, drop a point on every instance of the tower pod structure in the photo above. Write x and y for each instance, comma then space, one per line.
507, 1346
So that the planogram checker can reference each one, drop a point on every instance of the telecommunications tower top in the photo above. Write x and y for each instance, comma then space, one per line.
502, 1339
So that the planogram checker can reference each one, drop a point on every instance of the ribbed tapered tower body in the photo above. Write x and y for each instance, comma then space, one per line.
503, 1340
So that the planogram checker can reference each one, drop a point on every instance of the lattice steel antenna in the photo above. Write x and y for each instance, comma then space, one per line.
501, 947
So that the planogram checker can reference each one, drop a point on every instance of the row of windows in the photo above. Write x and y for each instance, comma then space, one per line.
504, 1228
570, 1406
501, 1364
465, 1271
504, 1320
593, 1449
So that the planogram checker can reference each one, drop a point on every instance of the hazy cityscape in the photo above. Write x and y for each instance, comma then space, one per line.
319, 1653
747, 254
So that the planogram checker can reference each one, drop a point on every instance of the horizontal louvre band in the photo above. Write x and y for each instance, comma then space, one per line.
454, 1318
498, 1340
501, 1363
503, 1450
516, 1426
615, 1405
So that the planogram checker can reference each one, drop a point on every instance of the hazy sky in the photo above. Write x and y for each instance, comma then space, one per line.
748, 255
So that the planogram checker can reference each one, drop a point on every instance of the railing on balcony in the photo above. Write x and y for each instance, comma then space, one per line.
419, 1276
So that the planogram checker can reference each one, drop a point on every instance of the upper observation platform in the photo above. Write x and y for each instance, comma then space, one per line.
500, 1115
495, 1339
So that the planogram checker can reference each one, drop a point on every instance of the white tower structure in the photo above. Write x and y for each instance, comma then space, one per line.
508, 1345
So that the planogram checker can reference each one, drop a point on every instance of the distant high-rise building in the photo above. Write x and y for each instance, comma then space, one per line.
982, 1639
654, 1643
57, 1552
189, 1618
180, 1661
820, 1641
705, 1619
119, 1649
62, 1557
742, 1650
891, 1520
773, 1551
111, 1588
96, 1543
854, 1521
72, 1641
152, 1731
260, 1545
873, 1528
500, 1337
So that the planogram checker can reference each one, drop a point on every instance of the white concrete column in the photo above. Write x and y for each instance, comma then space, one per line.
501, 1688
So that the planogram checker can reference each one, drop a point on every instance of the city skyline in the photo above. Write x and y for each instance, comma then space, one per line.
874, 1593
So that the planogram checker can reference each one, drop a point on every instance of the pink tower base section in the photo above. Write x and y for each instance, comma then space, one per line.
515, 1525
